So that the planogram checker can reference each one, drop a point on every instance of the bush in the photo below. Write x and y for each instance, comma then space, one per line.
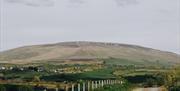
174, 88
2, 88
7, 87
150, 82
25, 88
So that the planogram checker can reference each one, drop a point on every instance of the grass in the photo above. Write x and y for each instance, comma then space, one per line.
92, 75
134, 72
142, 62
123, 62
23, 75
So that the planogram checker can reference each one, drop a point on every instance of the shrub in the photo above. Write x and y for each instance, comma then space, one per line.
2, 88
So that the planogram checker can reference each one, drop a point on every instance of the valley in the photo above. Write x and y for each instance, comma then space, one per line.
88, 66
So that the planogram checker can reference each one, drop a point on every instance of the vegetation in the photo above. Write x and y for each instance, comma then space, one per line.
117, 87
91, 75
57, 75
8, 87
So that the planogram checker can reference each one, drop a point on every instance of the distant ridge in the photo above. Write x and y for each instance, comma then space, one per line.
87, 52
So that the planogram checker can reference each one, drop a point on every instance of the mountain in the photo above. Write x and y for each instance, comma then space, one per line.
88, 52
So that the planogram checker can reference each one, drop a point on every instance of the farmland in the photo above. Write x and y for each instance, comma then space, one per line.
49, 76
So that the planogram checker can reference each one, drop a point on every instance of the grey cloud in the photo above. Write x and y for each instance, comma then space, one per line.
52, 2
118, 2
33, 2
13, 1
126, 2
77, 1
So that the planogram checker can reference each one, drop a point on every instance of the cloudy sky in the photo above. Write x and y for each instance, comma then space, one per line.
149, 23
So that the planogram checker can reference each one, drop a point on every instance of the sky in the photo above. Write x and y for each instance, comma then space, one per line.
149, 23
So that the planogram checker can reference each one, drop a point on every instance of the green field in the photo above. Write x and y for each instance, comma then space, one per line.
132, 75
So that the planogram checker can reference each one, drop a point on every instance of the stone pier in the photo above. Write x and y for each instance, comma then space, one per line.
88, 86
102, 83
79, 87
92, 85
84, 86
56, 89
67, 88
96, 85
99, 84
72, 87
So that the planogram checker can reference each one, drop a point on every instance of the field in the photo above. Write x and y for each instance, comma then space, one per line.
74, 66
51, 76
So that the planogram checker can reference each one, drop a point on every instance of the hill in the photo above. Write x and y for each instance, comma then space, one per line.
88, 52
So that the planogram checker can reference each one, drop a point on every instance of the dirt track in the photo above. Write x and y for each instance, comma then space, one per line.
150, 89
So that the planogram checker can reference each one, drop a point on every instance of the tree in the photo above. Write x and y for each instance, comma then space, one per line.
150, 82
25, 88
36, 79
169, 78
2, 88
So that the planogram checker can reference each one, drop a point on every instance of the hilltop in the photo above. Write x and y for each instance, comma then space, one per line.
88, 52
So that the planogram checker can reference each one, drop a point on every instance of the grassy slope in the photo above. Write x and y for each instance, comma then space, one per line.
76, 50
